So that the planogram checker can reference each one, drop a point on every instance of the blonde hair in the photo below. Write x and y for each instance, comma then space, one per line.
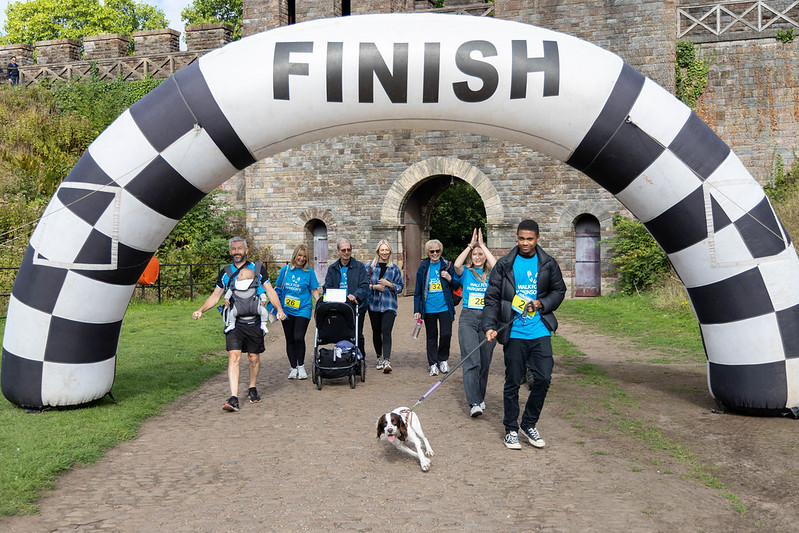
300, 248
433, 242
376, 260
486, 267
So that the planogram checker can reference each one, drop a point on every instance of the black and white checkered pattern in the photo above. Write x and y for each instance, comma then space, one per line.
217, 116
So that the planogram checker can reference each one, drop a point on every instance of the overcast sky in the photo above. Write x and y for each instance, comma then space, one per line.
172, 8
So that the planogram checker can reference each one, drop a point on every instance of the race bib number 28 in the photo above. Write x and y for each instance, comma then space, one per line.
477, 301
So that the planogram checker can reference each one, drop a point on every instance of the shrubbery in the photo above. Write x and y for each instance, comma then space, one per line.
640, 262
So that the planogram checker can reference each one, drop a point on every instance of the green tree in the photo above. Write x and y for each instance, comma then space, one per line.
456, 213
37, 20
209, 11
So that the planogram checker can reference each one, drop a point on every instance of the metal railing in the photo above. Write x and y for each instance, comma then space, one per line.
736, 19
175, 280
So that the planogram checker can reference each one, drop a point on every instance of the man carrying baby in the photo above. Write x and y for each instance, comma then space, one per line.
247, 337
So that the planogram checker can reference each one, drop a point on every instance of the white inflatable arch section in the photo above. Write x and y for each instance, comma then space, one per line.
285, 87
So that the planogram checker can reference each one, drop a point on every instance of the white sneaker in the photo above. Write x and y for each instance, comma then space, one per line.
380, 363
301, 374
476, 411
293, 373
433, 370
443, 366
482, 405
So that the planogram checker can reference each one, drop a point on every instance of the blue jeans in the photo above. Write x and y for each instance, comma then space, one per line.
520, 354
475, 368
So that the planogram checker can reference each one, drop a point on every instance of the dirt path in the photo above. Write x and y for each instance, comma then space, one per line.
308, 460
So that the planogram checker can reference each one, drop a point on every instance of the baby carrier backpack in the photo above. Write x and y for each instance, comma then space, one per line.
246, 301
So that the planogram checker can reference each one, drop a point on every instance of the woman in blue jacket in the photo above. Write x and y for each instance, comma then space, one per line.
432, 302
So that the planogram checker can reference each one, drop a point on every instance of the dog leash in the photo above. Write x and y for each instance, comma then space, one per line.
463, 360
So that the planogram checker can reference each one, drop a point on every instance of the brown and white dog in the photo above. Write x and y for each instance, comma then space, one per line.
402, 429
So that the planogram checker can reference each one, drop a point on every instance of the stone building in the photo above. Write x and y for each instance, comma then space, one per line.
385, 183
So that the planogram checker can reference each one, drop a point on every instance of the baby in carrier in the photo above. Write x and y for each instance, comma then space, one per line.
246, 299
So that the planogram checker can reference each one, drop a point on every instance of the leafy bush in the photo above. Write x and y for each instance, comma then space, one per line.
455, 215
690, 74
640, 262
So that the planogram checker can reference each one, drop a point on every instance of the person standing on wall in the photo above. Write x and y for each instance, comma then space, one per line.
474, 280
385, 282
433, 303
349, 274
528, 284
298, 288
247, 337
12, 71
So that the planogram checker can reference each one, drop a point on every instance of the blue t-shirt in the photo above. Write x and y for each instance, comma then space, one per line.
435, 302
343, 283
525, 271
297, 285
223, 281
474, 290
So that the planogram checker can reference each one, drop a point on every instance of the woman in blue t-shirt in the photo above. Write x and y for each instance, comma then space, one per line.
432, 302
298, 288
474, 279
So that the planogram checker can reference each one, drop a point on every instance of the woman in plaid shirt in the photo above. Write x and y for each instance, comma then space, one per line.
385, 282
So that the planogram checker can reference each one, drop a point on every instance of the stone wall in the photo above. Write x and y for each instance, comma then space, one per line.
752, 100
156, 53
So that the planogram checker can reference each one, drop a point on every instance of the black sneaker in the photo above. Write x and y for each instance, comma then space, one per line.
533, 436
253, 395
231, 405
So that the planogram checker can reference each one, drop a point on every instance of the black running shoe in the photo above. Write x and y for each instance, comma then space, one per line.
253, 395
231, 405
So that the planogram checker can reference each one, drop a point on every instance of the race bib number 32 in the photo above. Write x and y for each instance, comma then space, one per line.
435, 286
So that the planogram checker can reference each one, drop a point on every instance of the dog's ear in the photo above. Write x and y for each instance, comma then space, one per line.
381, 425
403, 429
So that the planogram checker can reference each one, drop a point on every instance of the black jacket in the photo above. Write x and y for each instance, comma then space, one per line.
357, 280
420, 295
502, 287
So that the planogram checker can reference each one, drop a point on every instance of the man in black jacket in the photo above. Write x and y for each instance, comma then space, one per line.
524, 288
348, 273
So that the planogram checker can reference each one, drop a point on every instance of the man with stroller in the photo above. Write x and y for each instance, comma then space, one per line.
350, 274
247, 337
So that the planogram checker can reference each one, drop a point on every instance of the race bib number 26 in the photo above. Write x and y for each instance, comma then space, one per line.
291, 302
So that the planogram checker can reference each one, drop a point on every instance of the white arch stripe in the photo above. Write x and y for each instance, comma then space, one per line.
756, 341
65, 384
27, 325
122, 151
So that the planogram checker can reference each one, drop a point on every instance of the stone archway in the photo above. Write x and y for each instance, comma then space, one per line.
398, 213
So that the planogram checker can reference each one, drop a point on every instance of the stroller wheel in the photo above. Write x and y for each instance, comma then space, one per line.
352, 381
363, 370
313, 373
318, 382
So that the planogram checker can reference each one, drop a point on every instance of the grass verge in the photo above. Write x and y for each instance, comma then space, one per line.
674, 331
162, 355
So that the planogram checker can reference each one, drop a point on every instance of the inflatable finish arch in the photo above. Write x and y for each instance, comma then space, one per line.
295, 84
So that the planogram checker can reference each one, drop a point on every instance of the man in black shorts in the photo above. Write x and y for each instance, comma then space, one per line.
247, 337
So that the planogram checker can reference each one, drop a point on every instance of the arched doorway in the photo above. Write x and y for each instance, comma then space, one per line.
416, 219
318, 230
587, 272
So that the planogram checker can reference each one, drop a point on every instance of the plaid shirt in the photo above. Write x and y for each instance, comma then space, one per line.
381, 302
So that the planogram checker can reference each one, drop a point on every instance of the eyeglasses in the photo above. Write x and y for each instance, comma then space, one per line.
435, 251
345, 249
